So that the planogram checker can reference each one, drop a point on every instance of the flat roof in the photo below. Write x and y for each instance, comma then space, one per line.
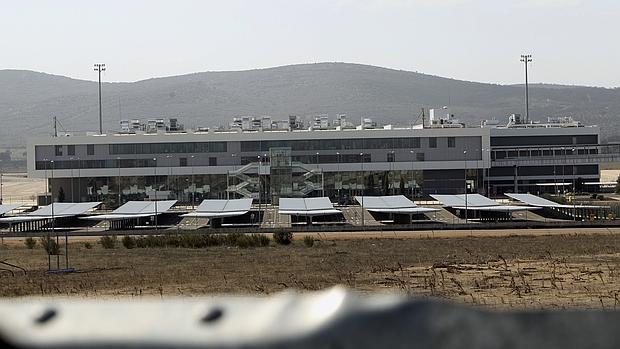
8, 208
477, 202
55, 210
392, 204
320, 206
136, 209
221, 208
537, 201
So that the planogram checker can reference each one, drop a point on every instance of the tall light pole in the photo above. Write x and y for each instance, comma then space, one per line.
54, 223
1, 184
155, 186
574, 191
99, 67
339, 176
412, 179
363, 182
193, 183
260, 164
118, 180
526, 59
465, 156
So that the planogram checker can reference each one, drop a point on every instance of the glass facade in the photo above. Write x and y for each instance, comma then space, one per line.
338, 144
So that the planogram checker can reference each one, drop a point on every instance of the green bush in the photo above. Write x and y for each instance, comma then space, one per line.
30, 243
308, 241
129, 242
202, 240
49, 245
263, 240
283, 237
88, 245
108, 242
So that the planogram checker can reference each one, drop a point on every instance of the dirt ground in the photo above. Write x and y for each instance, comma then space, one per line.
564, 270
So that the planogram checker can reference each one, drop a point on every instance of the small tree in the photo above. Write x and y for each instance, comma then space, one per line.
49, 245
108, 242
129, 242
30, 243
283, 237
308, 241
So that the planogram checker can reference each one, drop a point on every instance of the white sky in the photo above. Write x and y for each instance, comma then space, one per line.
572, 41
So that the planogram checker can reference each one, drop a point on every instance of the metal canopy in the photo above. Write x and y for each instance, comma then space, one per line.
136, 209
60, 209
221, 208
477, 202
473, 200
8, 208
537, 201
307, 206
392, 204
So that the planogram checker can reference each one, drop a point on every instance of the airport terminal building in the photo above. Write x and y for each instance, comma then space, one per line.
267, 162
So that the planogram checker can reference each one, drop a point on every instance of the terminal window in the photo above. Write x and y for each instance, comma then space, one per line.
451, 142
58, 150
432, 142
90, 149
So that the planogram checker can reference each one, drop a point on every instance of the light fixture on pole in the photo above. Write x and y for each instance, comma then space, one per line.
412, 179
465, 156
363, 182
155, 186
99, 67
118, 180
193, 182
526, 59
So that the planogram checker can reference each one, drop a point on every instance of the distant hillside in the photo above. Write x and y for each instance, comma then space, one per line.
28, 100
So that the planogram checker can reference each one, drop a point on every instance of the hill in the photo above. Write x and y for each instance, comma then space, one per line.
30, 99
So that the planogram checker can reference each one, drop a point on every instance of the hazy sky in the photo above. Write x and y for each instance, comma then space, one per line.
572, 41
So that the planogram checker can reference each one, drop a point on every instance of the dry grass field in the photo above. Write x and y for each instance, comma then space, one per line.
514, 271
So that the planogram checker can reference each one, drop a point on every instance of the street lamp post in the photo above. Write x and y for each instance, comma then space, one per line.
260, 164
193, 183
118, 180
339, 176
99, 68
412, 180
54, 221
465, 156
1, 185
574, 189
155, 186
363, 182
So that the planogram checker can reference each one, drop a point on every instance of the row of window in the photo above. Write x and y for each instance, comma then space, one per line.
111, 163
346, 144
90, 150
256, 146
164, 148
508, 154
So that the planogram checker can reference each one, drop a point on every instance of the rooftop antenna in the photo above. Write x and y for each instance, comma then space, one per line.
526, 59
99, 67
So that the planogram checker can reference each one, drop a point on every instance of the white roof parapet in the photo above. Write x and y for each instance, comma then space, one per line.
8, 208
477, 202
392, 204
136, 209
320, 206
537, 201
60, 209
221, 208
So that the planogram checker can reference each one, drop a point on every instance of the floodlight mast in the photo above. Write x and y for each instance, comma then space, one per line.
99, 67
526, 59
